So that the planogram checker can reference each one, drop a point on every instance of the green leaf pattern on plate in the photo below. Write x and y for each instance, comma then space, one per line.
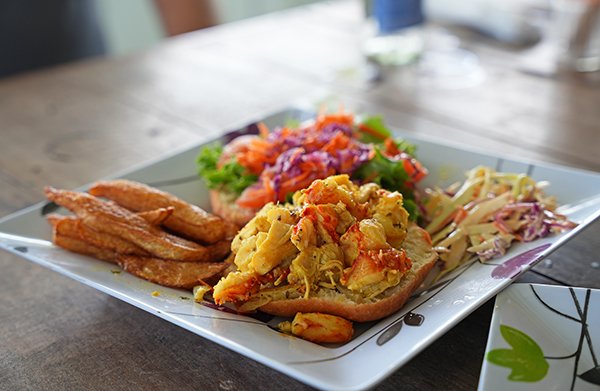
525, 359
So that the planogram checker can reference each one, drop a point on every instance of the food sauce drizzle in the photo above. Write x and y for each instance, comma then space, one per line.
410, 319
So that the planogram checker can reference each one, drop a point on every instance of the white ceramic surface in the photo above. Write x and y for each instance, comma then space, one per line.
378, 348
538, 340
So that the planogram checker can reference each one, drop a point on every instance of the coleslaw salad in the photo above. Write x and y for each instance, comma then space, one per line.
487, 212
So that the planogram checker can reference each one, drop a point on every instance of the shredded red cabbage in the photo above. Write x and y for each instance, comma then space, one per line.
303, 147
536, 221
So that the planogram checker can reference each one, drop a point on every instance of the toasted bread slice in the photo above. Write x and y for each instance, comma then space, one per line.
418, 248
223, 205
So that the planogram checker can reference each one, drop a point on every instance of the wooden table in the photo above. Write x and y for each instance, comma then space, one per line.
74, 124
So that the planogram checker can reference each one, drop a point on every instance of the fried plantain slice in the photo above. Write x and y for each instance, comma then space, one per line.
108, 217
187, 220
184, 275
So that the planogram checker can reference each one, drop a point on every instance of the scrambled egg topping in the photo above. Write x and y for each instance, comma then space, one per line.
335, 236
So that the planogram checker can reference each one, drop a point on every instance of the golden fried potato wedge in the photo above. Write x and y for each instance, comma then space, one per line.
81, 247
184, 275
220, 250
73, 227
157, 216
108, 217
187, 220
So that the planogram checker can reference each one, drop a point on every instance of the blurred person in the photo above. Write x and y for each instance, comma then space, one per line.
182, 16
40, 33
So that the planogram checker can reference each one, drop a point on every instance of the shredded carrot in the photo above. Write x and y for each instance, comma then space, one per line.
367, 129
461, 213
263, 129
253, 197
414, 169
341, 118
390, 147
268, 185
296, 184
290, 183
339, 142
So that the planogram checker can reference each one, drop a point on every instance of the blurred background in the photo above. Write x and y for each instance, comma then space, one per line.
41, 33
134, 24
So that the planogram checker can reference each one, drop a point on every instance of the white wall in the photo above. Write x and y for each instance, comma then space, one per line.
231, 10
131, 25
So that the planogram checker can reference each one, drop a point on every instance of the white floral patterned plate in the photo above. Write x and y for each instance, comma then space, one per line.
378, 348
543, 337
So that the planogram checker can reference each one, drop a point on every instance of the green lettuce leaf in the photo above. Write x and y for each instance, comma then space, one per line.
376, 125
230, 177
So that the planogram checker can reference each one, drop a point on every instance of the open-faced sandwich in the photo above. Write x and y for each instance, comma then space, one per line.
338, 248
253, 170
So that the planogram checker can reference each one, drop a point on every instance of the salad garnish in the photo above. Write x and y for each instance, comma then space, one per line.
271, 166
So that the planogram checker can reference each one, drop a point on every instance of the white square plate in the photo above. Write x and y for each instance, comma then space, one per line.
378, 348
543, 337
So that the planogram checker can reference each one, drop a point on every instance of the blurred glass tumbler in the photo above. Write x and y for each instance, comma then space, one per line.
577, 32
395, 31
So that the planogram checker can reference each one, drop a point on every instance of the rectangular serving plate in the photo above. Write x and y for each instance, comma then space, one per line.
378, 348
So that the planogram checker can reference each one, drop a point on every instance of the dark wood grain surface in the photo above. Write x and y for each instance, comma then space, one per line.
71, 125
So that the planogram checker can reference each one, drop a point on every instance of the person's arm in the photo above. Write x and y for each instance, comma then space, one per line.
182, 16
